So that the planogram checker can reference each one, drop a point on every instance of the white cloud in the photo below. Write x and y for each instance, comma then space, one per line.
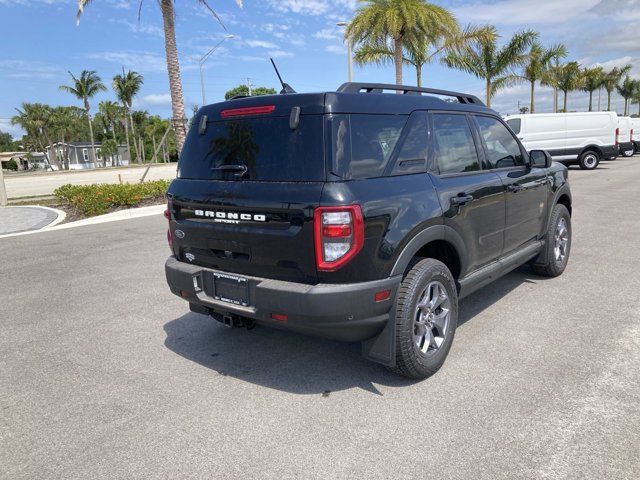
154, 100
295, 39
142, 27
279, 54
312, 7
327, 34
260, 44
28, 69
338, 49
523, 12
139, 61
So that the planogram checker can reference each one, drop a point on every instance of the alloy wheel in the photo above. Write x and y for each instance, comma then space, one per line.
432, 316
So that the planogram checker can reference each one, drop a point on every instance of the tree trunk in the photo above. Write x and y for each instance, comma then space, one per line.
133, 132
626, 107
555, 100
564, 102
173, 68
608, 101
488, 92
126, 134
397, 59
638, 109
533, 103
419, 75
591, 100
93, 143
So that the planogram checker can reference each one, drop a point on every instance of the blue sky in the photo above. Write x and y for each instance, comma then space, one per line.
41, 42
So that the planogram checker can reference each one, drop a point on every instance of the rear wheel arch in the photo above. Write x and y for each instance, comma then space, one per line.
565, 200
439, 242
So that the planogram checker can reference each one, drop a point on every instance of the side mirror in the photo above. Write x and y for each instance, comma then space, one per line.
540, 159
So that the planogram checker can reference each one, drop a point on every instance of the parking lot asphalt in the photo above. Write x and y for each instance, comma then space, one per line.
104, 374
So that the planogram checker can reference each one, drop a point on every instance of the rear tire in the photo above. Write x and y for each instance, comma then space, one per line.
628, 152
426, 318
589, 160
557, 245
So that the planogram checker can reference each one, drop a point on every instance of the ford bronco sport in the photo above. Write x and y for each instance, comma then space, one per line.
360, 215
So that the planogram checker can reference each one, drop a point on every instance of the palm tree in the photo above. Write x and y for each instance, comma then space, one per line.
398, 22
538, 63
173, 65
85, 87
570, 79
627, 89
636, 96
592, 82
423, 49
66, 124
127, 87
36, 120
495, 66
110, 112
611, 80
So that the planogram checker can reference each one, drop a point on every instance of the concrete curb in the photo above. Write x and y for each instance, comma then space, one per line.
109, 217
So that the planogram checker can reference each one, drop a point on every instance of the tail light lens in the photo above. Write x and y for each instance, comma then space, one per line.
339, 235
631, 135
617, 135
167, 215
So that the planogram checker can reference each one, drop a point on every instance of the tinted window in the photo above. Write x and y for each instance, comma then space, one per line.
269, 149
515, 124
453, 146
362, 144
501, 147
412, 153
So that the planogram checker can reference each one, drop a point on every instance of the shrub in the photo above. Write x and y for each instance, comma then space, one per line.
11, 165
98, 199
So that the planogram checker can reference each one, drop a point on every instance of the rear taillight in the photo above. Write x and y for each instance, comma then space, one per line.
167, 215
339, 235
631, 135
617, 135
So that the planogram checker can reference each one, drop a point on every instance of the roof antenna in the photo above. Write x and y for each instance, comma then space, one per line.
286, 88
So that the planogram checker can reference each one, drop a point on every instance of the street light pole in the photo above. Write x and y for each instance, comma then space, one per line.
3, 189
349, 52
204, 59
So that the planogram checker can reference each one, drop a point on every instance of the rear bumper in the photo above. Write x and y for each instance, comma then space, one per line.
626, 146
609, 151
346, 312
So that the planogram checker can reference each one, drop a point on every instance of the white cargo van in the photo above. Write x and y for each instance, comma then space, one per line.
635, 138
624, 134
584, 138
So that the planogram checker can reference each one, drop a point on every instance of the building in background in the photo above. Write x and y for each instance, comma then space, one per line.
79, 156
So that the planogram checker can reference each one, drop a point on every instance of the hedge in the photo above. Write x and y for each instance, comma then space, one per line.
98, 199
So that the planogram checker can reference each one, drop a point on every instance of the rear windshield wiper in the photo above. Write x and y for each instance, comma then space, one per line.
240, 170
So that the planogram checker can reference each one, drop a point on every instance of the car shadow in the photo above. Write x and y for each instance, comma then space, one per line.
297, 363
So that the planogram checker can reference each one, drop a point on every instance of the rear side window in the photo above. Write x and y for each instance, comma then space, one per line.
515, 124
502, 149
268, 148
361, 145
453, 145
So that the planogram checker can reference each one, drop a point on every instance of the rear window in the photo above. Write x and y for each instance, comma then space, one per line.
267, 146
515, 124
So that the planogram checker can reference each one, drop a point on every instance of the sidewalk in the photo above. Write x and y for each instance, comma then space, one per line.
23, 219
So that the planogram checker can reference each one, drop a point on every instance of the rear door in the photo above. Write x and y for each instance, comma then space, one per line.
473, 200
246, 189
527, 189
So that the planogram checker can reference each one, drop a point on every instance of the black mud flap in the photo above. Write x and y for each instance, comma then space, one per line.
382, 348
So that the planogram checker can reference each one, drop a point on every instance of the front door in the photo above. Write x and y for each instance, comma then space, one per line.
472, 199
527, 189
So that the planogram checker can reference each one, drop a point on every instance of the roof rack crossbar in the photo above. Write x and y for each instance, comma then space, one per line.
357, 87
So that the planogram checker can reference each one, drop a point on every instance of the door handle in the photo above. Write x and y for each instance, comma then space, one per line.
461, 199
514, 188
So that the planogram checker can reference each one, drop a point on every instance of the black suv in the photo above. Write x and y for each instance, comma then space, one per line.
363, 215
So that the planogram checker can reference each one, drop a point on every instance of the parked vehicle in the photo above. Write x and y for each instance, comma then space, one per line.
635, 137
624, 136
359, 215
584, 138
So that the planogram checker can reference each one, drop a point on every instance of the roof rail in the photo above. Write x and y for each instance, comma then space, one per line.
355, 87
